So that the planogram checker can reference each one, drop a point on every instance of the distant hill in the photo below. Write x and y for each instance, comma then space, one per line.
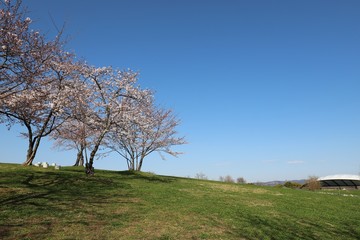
274, 183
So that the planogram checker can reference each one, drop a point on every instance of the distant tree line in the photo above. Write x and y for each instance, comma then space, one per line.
230, 179
51, 94
227, 178
311, 183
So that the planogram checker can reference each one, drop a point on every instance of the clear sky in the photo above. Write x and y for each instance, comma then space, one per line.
266, 90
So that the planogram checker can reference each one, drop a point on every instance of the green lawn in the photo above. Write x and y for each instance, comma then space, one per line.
37, 203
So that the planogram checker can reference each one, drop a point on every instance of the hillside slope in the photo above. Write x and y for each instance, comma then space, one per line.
37, 203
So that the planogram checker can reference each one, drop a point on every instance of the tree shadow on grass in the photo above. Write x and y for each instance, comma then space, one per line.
147, 176
31, 197
276, 228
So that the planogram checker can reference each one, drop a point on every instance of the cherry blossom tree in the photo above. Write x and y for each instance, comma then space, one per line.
43, 89
40, 107
109, 87
143, 129
74, 133
23, 52
14, 30
32, 76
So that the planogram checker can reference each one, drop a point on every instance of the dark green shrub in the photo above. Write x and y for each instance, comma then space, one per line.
292, 184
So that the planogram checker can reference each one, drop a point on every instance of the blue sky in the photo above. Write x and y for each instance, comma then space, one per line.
266, 90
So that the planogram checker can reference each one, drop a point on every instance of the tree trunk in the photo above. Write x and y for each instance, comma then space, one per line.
140, 164
32, 149
34, 142
137, 163
80, 157
31, 153
142, 156
130, 163
89, 167
29, 156
29, 160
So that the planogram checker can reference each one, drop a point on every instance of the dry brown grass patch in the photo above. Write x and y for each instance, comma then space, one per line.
238, 188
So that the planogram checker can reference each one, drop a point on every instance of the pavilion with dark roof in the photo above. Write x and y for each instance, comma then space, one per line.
345, 181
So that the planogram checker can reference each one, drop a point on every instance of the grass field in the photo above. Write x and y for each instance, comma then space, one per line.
37, 203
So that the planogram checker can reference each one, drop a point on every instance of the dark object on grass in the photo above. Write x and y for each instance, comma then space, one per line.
88, 170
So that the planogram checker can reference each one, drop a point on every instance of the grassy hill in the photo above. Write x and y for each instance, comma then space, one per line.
37, 203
